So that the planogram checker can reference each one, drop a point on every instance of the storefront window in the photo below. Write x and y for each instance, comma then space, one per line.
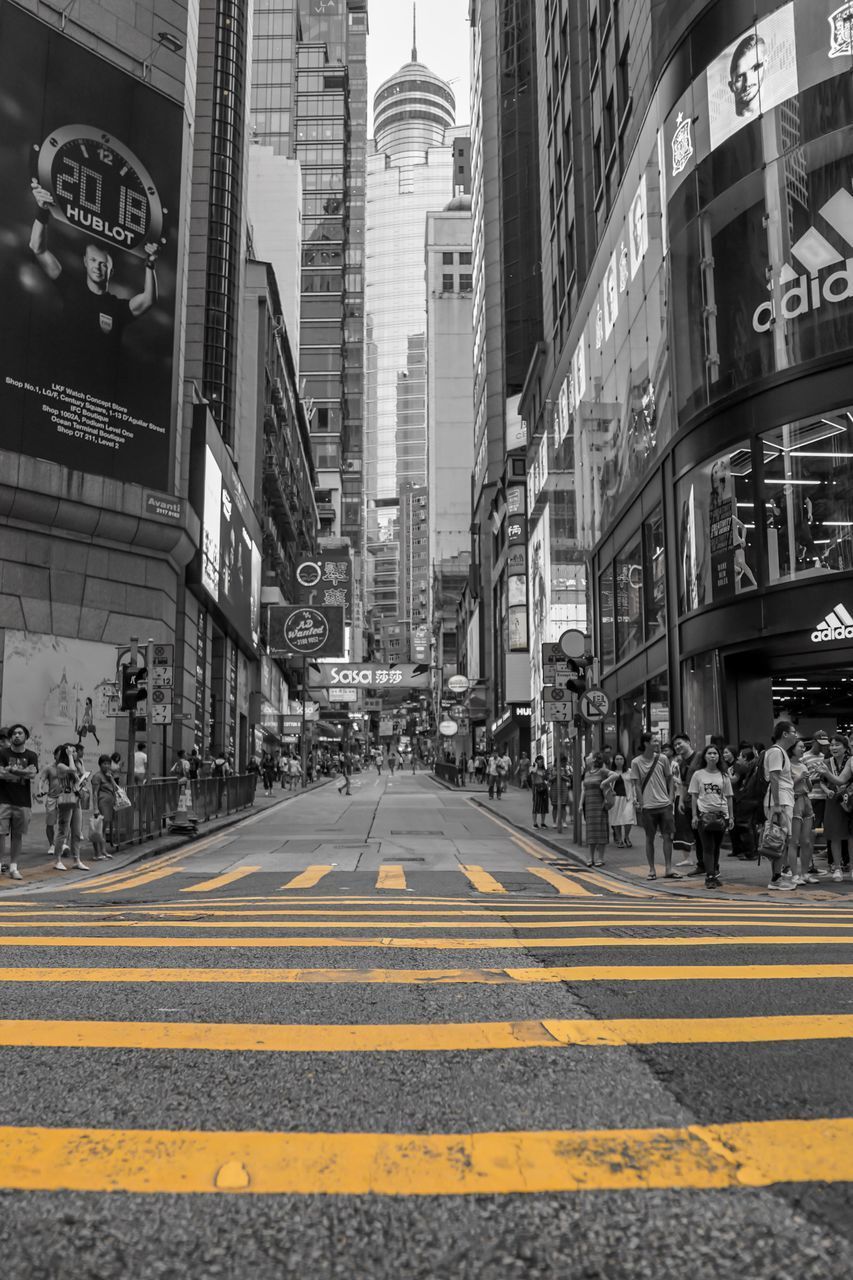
655, 575
657, 692
629, 600
700, 687
808, 497
630, 721
716, 534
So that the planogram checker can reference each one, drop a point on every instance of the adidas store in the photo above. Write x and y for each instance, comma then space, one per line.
722, 514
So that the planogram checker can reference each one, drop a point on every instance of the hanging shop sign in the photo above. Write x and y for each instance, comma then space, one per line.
305, 632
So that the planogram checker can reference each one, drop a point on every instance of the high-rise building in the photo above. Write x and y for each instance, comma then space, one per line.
507, 329
417, 163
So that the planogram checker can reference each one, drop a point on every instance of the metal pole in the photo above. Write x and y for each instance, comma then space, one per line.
131, 731
577, 768
149, 712
558, 735
304, 747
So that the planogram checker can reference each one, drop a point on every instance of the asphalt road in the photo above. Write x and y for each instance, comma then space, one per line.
384, 1036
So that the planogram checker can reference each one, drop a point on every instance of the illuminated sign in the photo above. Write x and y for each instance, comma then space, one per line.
837, 625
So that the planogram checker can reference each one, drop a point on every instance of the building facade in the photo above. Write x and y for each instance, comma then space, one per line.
694, 382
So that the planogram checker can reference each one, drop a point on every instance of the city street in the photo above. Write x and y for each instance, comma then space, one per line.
384, 1036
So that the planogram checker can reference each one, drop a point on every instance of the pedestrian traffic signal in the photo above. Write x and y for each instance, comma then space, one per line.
134, 686
578, 668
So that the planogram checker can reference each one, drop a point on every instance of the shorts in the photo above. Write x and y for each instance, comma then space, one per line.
654, 820
14, 820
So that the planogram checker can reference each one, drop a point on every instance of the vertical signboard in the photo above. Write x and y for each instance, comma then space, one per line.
325, 581
90, 171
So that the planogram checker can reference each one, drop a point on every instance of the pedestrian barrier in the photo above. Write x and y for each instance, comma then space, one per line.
152, 803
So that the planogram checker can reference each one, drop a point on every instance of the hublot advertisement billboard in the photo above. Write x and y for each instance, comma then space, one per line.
89, 193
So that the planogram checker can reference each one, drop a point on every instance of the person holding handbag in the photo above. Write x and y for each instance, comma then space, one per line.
104, 791
712, 802
69, 820
539, 785
779, 802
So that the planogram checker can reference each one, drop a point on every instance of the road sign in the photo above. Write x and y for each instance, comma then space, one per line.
557, 705
574, 644
555, 664
343, 695
160, 697
458, 684
163, 655
448, 728
162, 677
594, 705
161, 714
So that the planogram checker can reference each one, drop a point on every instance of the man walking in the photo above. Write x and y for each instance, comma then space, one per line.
492, 773
651, 776
18, 767
504, 770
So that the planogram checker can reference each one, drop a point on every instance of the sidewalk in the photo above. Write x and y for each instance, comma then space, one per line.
37, 868
740, 879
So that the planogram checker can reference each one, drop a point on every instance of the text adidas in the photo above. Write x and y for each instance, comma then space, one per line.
806, 294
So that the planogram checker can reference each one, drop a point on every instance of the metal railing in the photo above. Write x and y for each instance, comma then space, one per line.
152, 804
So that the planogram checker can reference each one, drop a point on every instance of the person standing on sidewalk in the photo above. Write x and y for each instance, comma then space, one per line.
69, 823
539, 786
621, 816
651, 775
687, 761
104, 793
779, 805
712, 805
523, 770
595, 814
504, 771
18, 766
492, 773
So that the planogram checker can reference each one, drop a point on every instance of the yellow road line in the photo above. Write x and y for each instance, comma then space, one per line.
530, 845
489, 921
574, 916
561, 883
218, 882
440, 977
391, 877
148, 877
747, 1154
480, 879
419, 1037
425, 944
617, 886
309, 877
164, 860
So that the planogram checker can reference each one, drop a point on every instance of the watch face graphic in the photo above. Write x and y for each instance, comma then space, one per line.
101, 188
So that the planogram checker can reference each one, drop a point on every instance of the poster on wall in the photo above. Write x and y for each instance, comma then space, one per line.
59, 688
638, 227
716, 544
754, 73
90, 180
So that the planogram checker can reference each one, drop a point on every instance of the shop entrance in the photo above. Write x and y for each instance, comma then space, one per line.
815, 691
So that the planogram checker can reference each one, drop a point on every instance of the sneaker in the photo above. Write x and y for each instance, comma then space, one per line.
59, 865
798, 880
838, 874
50, 851
787, 873
15, 874
718, 884
781, 884
709, 882
812, 879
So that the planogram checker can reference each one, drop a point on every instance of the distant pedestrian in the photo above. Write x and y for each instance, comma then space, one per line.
492, 774
594, 811
539, 787
522, 770
140, 766
181, 768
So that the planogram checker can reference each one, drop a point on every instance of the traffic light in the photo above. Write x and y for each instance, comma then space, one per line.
134, 687
578, 668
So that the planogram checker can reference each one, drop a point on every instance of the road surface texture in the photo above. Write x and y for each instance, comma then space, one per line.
384, 1036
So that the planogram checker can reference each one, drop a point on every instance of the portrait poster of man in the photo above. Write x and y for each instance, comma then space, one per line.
756, 72
90, 179
638, 227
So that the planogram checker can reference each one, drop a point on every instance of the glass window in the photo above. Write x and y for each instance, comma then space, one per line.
466, 282
447, 259
628, 571
607, 643
716, 533
655, 575
808, 497
447, 284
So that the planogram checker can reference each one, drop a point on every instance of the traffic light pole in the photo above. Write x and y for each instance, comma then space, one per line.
131, 728
304, 744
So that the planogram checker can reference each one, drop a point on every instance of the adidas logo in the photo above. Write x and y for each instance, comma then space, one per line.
814, 252
837, 625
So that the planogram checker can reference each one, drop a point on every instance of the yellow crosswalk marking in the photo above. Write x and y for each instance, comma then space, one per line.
420, 1037
391, 876
480, 879
508, 920
618, 887
601, 942
439, 977
563, 884
218, 882
309, 877
747, 1154
136, 881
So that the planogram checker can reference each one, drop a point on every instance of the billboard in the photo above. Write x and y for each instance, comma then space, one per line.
368, 675
303, 631
59, 688
90, 183
325, 580
228, 565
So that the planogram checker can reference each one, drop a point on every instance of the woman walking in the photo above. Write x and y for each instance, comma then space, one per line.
621, 816
594, 811
539, 785
712, 802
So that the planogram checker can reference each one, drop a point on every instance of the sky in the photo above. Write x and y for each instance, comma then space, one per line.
443, 44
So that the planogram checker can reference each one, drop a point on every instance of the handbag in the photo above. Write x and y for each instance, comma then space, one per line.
712, 822
608, 795
122, 800
773, 839
845, 799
